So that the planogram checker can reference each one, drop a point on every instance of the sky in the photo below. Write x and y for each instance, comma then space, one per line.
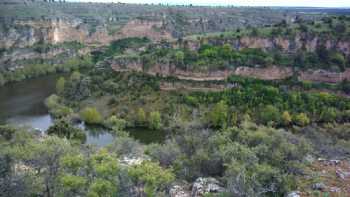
294, 3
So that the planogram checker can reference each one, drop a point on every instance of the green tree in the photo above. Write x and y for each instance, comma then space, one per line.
151, 176
328, 114
301, 119
116, 123
101, 188
338, 59
62, 128
269, 114
179, 58
60, 85
218, 114
73, 184
141, 117
286, 118
154, 120
91, 116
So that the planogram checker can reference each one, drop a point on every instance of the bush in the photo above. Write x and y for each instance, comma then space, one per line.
60, 85
270, 114
90, 115
56, 108
115, 123
301, 119
218, 115
154, 120
62, 128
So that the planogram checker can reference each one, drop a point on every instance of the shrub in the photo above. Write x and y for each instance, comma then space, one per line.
60, 85
301, 119
56, 108
154, 120
115, 123
140, 117
62, 128
218, 115
269, 114
90, 115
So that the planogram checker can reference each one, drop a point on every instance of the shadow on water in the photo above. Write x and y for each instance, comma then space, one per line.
146, 135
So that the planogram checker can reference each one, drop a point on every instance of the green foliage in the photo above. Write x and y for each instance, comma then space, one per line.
73, 183
152, 176
39, 69
56, 108
115, 123
301, 119
154, 120
62, 128
328, 114
101, 188
218, 115
77, 87
60, 85
141, 117
286, 118
90, 115
179, 58
118, 47
270, 114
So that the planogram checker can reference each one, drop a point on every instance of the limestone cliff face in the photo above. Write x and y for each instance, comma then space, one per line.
123, 64
53, 31
284, 44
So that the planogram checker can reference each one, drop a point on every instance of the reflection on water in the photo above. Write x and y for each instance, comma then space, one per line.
41, 123
97, 135
147, 136
22, 104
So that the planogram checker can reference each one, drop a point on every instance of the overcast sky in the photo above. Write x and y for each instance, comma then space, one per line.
299, 3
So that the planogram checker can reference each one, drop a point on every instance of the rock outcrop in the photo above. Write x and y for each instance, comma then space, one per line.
53, 31
204, 186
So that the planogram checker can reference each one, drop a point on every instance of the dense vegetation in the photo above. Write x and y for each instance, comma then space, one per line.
40, 69
255, 137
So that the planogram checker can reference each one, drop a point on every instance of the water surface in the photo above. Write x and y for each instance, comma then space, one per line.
22, 104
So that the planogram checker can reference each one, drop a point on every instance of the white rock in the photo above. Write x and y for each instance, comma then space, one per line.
294, 194
178, 191
206, 185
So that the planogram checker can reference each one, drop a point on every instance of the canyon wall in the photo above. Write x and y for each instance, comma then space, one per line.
54, 31
125, 64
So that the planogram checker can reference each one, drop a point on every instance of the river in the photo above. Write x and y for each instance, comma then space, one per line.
22, 104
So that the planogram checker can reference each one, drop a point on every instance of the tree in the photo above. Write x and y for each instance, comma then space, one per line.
269, 114
60, 85
218, 114
154, 120
90, 115
286, 118
115, 123
301, 119
150, 176
179, 58
62, 128
328, 114
338, 59
141, 117
77, 88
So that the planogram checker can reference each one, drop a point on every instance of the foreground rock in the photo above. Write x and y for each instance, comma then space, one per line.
206, 185
179, 190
